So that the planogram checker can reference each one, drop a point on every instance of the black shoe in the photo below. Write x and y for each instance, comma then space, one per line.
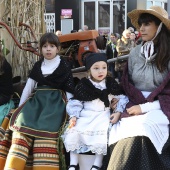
96, 167
73, 166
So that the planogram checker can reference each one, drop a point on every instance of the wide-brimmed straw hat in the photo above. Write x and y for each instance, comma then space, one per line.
157, 11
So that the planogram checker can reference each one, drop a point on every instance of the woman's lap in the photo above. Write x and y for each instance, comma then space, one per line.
156, 128
138, 153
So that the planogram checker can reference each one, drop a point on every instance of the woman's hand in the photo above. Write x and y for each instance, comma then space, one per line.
72, 122
115, 117
114, 103
134, 110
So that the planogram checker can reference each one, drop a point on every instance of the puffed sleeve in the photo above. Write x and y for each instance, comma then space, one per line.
28, 89
123, 100
74, 108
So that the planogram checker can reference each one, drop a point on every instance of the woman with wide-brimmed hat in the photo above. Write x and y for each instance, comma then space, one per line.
140, 140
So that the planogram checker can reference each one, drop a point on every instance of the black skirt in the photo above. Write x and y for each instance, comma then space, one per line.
137, 153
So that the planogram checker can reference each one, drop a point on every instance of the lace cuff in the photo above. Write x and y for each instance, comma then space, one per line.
74, 108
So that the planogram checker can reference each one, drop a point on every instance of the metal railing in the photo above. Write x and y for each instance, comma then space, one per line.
80, 69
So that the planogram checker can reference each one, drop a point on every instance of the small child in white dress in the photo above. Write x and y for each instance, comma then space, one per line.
89, 112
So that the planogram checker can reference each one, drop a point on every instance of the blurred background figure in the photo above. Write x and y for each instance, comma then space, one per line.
58, 33
117, 35
80, 30
124, 45
73, 31
131, 29
133, 37
138, 37
101, 43
85, 28
111, 52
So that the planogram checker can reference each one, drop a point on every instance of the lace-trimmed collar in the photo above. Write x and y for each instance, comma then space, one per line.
100, 85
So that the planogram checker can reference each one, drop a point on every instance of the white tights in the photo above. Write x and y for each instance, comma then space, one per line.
74, 160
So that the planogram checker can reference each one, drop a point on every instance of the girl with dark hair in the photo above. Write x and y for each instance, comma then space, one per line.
140, 140
37, 123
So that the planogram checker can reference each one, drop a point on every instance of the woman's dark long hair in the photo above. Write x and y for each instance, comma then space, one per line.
162, 41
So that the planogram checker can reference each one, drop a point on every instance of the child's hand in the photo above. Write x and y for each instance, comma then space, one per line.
114, 103
72, 122
134, 110
115, 117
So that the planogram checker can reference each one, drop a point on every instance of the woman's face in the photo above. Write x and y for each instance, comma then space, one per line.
148, 31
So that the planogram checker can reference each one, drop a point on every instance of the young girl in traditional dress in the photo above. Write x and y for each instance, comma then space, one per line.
41, 113
90, 113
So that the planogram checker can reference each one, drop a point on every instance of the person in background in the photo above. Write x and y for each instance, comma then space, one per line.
141, 139
73, 31
111, 52
131, 29
138, 37
133, 37
124, 46
80, 30
101, 42
89, 112
85, 28
37, 123
58, 33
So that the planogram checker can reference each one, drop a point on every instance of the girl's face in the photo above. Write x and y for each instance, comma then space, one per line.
148, 31
49, 51
99, 70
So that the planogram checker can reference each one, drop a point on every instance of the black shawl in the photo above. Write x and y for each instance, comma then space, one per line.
61, 78
86, 91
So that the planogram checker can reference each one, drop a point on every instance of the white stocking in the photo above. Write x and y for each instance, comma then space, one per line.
73, 159
98, 161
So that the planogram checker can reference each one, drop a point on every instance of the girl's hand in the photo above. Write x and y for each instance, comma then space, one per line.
134, 110
72, 122
115, 117
114, 103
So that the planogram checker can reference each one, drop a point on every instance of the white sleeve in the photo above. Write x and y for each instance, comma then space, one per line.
28, 89
146, 107
69, 95
123, 100
74, 108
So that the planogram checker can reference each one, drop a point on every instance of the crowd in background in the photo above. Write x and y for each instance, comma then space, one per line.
114, 45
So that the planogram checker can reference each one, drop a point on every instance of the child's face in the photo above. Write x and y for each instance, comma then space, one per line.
99, 70
49, 51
